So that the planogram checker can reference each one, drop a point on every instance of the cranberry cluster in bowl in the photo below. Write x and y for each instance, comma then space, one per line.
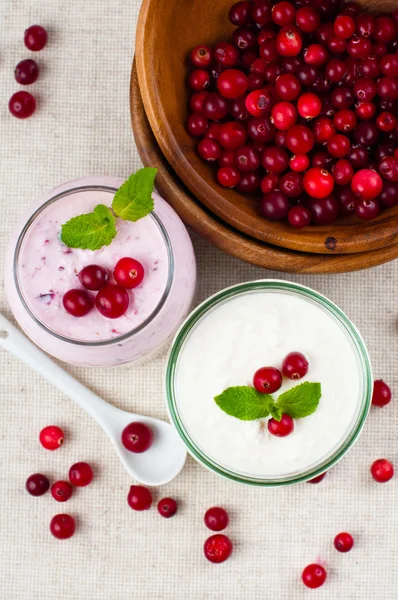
302, 106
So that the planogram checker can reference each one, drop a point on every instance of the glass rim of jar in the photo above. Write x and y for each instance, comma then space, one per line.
364, 372
91, 343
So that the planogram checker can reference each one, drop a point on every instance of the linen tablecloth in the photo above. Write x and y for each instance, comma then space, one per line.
82, 127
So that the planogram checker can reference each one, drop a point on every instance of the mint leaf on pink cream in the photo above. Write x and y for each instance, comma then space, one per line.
90, 231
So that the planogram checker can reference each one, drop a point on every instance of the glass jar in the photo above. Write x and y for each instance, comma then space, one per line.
39, 269
218, 338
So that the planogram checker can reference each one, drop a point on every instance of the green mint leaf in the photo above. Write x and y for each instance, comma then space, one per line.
244, 403
90, 231
301, 400
275, 411
133, 200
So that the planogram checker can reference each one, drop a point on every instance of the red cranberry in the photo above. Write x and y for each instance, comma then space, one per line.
266, 33
267, 380
80, 474
345, 120
37, 484
342, 97
367, 133
232, 135
244, 38
387, 88
281, 428
300, 139
284, 115
280, 139
318, 479
26, 71
323, 129
335, 70
201, 57
77, 303
344, 27
346, 198
365, 25
343, 542
258, 66
22, 105
288, 87
388, 168
209, 150
291, 184
323, 160
216, 518
137, 437
307, 75
226, 54
247, 159
386, 121
389, 65
307, 19
336, 45
309, 105
62, 526
215, 107
381, 393
51, 437
261, 12
255, 81
382, 470
318, 183
238, 110
379, 50
217, 548
112, 301
295, 365
199, 80
167, 507
139, 498
365, 89
268, 51
338, 145
359, 47
367, 209
240, 13
227, 158
365, 110
366, 184
260, 129
389, 194
35, 38
358, 157
228, 177
269, 183
283, 13
259, 102
299, 162
324, 211
386, 30
61, 491
274, 206
93, 277
324, 32
249, 183
313, 576
128, 272
292, 64
299, 216
272, 72
369, 67
275, 159
343, 172
289, 41
197, 125
316, 55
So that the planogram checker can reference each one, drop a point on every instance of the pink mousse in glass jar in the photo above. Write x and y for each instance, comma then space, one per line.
40, 269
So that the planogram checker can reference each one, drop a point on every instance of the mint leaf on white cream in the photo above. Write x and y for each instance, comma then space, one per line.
90, 231
275, 411
244, 403
300, 401
133, 200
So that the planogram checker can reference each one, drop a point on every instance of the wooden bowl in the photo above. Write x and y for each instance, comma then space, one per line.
220, 235
166, 32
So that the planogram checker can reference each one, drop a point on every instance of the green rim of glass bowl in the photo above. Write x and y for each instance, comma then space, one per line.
281, 286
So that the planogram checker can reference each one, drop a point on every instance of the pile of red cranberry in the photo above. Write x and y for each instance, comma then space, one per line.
302, 104
112, 300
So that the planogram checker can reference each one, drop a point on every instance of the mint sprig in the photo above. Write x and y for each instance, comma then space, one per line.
245, 403
132, 201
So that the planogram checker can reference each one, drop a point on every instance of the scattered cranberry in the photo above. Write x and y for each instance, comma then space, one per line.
218, 548
201, 57
313, 576
267, 380
318, 183
228, 177
275, 206
22, 105
307, 19
37, 484
324, 211
367, 209
77, 303
215, 107
112, 301
232, 135
323, 129
318, 478
216, 518
51, 437
382, 470
167, 507
386, 121
338, 145
295, 365
366, 184
209, 150
226, 54
284, 115
289, 41
93, 277
343, 172
381, 393
35, 38
309, 105
343, 542
26, 71
232, 83
80, 474
197, 125
299, 162
288, 87
281, 428
258, 103
137, 437
199, 79
128, 272
299, 216
139, 498
344, 26
61, 491
62, 526
300, 139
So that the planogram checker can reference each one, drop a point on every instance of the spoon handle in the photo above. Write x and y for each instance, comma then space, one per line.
18, 344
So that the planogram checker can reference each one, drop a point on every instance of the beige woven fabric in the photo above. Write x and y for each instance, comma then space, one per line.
82, 126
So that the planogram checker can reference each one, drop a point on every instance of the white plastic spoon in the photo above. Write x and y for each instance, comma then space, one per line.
158, 465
